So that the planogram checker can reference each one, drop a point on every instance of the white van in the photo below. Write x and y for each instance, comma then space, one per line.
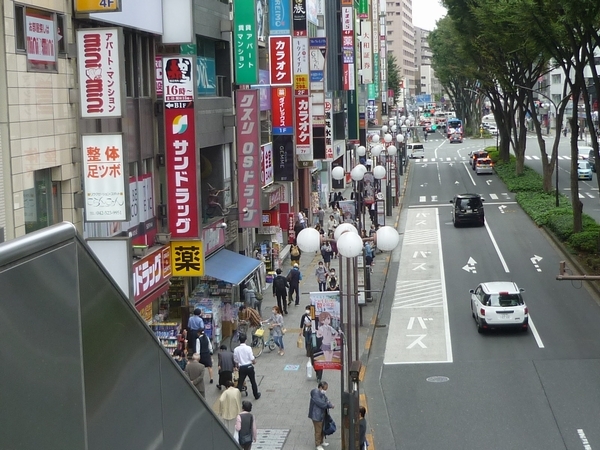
415, 150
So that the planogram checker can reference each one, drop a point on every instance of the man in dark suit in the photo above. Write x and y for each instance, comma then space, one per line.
280, 285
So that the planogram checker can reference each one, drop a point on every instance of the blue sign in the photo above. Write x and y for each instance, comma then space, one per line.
283, 130
317, 75
423, 98
317, 42
280, 17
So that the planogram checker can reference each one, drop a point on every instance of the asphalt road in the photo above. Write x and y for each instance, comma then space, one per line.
499, 390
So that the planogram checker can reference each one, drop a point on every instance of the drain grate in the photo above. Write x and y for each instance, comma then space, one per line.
438, 379
270, 439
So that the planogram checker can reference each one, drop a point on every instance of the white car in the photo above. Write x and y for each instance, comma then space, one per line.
493, 130
499, 304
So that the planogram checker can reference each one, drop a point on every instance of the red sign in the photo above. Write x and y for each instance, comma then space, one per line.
276, 197
149, 275
182, 184
280, 60
270, 218
248, 156
303, 128
213, 238
281, 110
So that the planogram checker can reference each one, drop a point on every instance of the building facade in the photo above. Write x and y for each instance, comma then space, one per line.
401, 40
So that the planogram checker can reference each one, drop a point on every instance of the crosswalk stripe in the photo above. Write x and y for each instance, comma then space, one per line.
589, 195
422, 198
581, 195
493, 196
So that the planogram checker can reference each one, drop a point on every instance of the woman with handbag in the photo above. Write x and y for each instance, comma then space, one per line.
276, 326
246, 426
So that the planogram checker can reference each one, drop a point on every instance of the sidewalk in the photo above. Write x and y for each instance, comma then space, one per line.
282, 411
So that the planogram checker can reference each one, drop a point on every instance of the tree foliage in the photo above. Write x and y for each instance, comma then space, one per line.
393, 74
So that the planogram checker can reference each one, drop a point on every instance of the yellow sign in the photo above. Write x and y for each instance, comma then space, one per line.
301, 81
93, 6
187, 258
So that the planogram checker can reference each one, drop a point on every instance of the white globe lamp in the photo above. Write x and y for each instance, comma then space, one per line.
379, 172
376, 151
342, 228
361, 150
338, 173
375, 138
357, 173
400, 138
309, 240
349, 245
394, 128
386, 238
387, 138
384, 129
407, 122
392, 150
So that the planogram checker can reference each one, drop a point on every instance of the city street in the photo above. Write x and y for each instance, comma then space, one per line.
433, 381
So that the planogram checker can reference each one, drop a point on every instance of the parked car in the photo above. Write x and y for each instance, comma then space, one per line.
499, 304
584, 170
475, 156
484, 165
592, 160
467, 208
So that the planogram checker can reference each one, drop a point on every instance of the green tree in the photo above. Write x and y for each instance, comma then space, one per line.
393, 74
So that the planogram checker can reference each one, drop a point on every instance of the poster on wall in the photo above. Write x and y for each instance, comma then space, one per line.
327, 337
40, 34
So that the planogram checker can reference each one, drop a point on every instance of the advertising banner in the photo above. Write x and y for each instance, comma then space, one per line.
312, 11
158, 75
267, 164
280, 17
363, 9
40, 33
280, 60
283, 157
92, 6
264, 90
104, 178
281, 110
187, 258
328, 130
317, 62
98, 52
366, 54
299, 17
303, 127
150, 273
180, 147
327, 342
301, 71
348, 208
248, 157
348, 47
245, 42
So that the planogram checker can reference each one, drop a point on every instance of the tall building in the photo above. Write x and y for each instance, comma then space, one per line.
423, 53
427, 82
401, 40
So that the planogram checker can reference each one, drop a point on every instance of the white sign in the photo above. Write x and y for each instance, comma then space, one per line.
98, 53
301, 53
104, 179
366, 52
41, 38
178, 79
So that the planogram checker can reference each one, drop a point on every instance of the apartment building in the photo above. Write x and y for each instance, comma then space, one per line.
401, 40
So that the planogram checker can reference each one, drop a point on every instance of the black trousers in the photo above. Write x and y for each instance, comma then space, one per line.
282, 300
294, 288
248, 371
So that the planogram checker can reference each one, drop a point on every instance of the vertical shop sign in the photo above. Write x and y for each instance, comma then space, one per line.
187, 258
248, 157
280, 60
158, 75
348, 47
317, 61
328, 130
267, 164
363, 9
245, 42
366, 54
283, 158
150, 273
303, 126
279, 17
104, 178
41, 44
98, 52
299, 17
180, 147
281, 110
301, 71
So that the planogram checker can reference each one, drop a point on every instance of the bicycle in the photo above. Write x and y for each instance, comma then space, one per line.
234, 340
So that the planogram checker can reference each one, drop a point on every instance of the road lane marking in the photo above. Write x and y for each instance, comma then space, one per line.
584, 439
536, 335
493, 196
496, 247
469, 173
442, 205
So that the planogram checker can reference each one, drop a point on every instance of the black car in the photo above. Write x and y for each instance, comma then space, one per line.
475, 156
467, 208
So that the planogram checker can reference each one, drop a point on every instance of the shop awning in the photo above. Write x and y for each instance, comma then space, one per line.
229, 266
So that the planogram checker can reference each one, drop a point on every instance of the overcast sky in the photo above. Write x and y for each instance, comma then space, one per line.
426, 12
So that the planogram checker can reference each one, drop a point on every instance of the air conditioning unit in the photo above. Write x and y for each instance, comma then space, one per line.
139, 251
163, 238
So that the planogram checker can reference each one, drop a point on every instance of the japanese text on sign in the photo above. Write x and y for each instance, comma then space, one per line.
187, 258
150, 273
280, 59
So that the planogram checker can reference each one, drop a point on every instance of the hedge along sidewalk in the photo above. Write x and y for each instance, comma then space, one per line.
541, 207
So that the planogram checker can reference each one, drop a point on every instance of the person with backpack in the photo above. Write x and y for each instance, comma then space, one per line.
245, 425
280, 286
319, 403
293, 278
295, 253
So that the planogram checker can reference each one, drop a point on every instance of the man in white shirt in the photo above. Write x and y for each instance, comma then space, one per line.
244, 358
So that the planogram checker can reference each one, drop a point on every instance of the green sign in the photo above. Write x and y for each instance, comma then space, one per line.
371, 91
245, 42
187, 49
376, 74
434, 127
363, 9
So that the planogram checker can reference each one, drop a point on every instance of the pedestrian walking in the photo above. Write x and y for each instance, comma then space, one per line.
319, 403
331, 223
195, 324
178, 356
250, 316
369, 255
228, 405
280, 287
294, 277
334, 250
225, 365
321, 274
332, 281
306, 329
336, 212
245, 425
276, 326
326, 253
244, 358
362, 429
295, 253
195, 372
321, 216
205, 349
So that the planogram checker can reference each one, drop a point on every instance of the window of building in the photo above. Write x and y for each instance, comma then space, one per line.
207, 68
37, 34
556, 78
42, 202
139, 65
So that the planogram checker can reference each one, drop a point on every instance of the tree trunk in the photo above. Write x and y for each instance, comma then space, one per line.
576, 203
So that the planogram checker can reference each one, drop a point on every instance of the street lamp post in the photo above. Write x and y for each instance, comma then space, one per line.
350, 246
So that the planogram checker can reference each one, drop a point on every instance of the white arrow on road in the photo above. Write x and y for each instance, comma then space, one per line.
488, 182
502, 208
535, 260
470, 267
456, 182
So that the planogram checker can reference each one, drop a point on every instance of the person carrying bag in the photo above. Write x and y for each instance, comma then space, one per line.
246, 426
